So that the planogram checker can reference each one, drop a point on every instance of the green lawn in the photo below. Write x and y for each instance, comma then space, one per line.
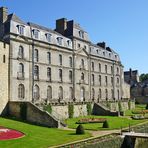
37, 136
114, 122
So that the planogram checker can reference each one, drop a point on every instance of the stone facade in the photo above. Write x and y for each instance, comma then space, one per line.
59, 66
4, 56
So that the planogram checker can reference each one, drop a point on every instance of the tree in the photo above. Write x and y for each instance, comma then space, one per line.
143, 77
80, 130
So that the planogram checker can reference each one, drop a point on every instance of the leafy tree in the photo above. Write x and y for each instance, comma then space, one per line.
143, 77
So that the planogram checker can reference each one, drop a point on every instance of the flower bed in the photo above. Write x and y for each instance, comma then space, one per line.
7, 134
91, 120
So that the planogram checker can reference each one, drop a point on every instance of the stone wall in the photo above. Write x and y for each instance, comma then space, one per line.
61, 111
4, 56
33, 114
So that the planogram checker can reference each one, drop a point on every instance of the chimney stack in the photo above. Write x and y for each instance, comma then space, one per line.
102, 44
61, 25
3, 14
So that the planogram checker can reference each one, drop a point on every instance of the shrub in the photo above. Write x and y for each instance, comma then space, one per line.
146, 106
120, 106
80, 130
129, 104
48, 108
70, 110
106, 124
89, 109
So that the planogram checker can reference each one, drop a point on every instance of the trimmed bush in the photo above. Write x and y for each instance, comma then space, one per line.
80, 130
105, 124
71, 110
146, 106
89, 109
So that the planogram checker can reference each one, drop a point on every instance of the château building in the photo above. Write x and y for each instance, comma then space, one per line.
60, 65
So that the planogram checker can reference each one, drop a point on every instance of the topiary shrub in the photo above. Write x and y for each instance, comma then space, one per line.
146, 106
80, 130
70, 110
105, 124
89, 109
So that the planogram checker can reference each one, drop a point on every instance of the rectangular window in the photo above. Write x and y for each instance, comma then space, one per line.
20, 29
48, 37
70, 76
36, 33
105, 68
106, 81
99, 80
59, 40
49, 57
49, 73
60, 75
112, 81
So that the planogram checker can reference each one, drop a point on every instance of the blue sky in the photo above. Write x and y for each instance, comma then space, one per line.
122, 24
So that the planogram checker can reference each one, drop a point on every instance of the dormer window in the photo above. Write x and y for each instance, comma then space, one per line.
81, 34
68, 43
36, 33
21, 29
48, 37
59, 40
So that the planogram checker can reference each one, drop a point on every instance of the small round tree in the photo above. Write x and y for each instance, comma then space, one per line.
80, 130
105, 124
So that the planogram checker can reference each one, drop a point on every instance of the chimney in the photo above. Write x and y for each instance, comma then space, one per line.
130, 70
61, 25
3, 14
102, 44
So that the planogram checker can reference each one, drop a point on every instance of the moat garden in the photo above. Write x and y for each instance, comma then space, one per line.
43, 137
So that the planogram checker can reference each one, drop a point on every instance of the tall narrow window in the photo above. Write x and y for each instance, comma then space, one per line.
4, 58
49, 93
99, 80
81, 34
60, 75
21, 52
117, 81
93, 79
70, 76
20, 73
36, 55
60, 59
93, 94
105, 68
112, 81
82, 76
70, 61
82, 63
60, 93
82, 92
100, 93
49, 57
106, 81
106, 94
92, 66
99, 67
36, 92
118, 94
68, 43
21, 91
111, 69
49, 73
36, 72
117, 71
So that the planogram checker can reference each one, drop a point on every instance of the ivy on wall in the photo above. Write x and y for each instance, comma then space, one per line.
70, 110
48, 108
89, 108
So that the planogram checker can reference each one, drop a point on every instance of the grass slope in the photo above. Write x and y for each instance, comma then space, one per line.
37, 136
